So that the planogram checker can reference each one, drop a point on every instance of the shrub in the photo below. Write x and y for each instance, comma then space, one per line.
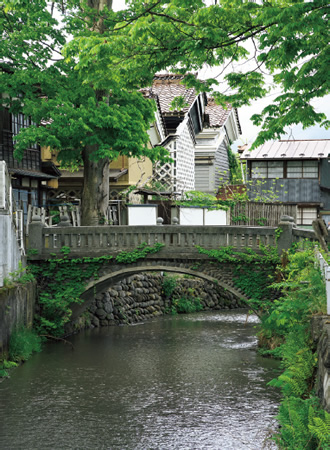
23, 342
168, 285
186, 305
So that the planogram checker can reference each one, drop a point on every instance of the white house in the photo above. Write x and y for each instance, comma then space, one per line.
197, 136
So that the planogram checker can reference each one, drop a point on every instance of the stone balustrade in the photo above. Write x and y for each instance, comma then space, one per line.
178, 239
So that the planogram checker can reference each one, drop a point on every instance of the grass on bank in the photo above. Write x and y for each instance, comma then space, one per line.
23, 343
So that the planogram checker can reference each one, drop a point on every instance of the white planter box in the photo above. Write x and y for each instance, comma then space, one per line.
142, 214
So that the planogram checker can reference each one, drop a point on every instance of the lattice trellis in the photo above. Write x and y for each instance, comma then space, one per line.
164, 174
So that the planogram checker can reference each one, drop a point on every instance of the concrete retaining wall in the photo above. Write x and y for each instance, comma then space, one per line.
16, 309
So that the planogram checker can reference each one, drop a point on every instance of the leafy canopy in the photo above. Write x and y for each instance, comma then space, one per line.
102, 112
288, 42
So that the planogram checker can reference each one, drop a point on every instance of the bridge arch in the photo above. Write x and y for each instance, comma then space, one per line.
114, 274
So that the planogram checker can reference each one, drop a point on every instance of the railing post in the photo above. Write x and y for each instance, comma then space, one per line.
285, 239
327, 287
35, 234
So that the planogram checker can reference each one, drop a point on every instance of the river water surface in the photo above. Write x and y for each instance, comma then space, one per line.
178, 382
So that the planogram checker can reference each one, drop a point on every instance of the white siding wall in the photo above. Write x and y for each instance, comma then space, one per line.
185, 154
221, 164
204, 178
179, 175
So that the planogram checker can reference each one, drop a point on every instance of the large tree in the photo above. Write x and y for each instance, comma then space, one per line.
89, 122
255, 46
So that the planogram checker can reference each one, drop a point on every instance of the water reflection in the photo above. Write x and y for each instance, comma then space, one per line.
182, 382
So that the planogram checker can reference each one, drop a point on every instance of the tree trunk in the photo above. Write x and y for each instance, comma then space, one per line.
95, 195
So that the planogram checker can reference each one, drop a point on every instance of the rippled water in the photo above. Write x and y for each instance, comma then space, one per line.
182, 382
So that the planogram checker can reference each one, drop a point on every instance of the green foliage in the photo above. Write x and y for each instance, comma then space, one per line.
201, 199
294, 416
179, 103
239, 218
87, 117
267, 255
63, 280
186, 305
320, 428
289, 37
20, 276
139, 253
23, 342
169, 284
4, 366
235, 173
298, 361
286, 322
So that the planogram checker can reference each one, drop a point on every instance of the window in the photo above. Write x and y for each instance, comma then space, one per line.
275, 169
285, 169
19, 121
302, 169
306, 215
259, 169
267, 169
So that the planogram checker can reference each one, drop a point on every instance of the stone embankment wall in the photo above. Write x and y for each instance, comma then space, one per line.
16, 309
141, 297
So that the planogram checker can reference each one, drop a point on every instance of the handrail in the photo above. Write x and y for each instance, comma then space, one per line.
325, 270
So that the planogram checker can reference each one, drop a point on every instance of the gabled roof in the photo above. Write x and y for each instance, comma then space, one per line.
289, 149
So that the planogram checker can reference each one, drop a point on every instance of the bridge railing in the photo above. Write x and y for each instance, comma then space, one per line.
300, 235
325, 270
177, 238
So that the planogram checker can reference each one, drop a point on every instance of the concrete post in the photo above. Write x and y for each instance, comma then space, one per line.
64, 220
35, 233
285, 240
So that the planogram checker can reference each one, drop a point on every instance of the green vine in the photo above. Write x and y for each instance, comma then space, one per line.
253, 272
61, 282
139, 253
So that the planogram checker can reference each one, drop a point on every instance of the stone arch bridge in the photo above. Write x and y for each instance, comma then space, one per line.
179, 253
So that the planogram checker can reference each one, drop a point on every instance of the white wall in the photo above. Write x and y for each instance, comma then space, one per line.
217, 217
202, 216
142, 214
191, 216
10, 253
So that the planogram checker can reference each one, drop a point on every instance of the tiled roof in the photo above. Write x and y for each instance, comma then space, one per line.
308, 148
216, 113
167, 87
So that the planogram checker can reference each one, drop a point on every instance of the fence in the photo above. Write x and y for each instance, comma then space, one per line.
258, 214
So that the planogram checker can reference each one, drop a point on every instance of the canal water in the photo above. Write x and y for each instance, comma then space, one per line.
178, 382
